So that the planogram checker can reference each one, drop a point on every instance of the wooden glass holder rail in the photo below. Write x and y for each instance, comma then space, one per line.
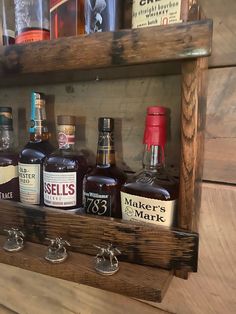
156, 252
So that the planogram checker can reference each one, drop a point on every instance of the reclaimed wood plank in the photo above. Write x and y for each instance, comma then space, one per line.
131, 280
139, 243
109, 49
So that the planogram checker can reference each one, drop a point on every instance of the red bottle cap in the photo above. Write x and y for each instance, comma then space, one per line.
155, 129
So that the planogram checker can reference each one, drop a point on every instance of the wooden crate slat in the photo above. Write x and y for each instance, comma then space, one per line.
131, 280
109, 49
140, 243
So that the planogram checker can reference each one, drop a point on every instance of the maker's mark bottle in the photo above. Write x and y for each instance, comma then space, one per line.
32, 156
151, 194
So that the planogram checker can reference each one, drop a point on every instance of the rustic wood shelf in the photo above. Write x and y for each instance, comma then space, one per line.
98, 55
140, 243
131, 280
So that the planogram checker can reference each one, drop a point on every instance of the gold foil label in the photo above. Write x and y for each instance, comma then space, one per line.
155, 12
138, 208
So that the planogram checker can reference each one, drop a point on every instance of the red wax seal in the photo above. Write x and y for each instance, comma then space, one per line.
155, 128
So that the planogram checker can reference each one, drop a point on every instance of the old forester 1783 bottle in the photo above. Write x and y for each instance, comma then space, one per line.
151, 194
32, 156
9, 181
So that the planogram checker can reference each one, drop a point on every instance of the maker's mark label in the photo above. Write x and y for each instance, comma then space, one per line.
137, 208
155, 12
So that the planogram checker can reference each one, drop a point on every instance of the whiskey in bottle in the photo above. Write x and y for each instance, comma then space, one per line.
32, 156
102, 185
9, 180
151, 194
66, 18
64, 169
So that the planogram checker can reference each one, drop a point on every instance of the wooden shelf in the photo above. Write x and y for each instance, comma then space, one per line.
131, 280
140, 243
88, 56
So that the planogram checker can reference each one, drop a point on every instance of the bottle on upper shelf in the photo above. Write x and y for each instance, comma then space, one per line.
103, 15
66, 18
64, 169
8, 22
102, 185
32, 20
147, 13
9, 180
32, 156
151, 194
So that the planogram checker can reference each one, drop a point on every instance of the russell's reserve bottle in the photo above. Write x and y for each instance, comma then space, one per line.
32, 156
102, 185
64, 169
151, 194
9, 181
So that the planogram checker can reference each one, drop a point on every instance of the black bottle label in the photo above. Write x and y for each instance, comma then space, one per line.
97, 204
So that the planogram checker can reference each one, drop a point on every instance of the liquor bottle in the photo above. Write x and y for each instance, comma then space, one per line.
32, 20
151, 194
103, 15
150, 13
32, 156
64, 169
66, 18
102, 185
9, 180
8, 22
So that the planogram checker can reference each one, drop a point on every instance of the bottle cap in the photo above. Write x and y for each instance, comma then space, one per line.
6, 118
155, 129
105, 124
66, 120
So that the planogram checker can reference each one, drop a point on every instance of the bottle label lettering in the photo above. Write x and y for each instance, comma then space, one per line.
29, 179
155, 12
9, 183
137, 208
97, 204
60, 189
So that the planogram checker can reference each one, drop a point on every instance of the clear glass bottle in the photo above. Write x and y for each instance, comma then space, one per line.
64, 169
66, 18
102, 185
8, 22
32, 20
9, 180
151, 194
103, 15
32, 156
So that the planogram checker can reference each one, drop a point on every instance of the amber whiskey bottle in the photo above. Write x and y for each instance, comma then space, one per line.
64, 169
9, 181
66, 18
33, 154
151, 194
102, 185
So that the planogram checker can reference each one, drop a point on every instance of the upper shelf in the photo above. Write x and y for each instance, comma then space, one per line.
19, 63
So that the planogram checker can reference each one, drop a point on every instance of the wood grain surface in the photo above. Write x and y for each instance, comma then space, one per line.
131, 280
139, 243
101, 50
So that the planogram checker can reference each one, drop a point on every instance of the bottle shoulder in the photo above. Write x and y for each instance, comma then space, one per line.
104, 174
35, 152
8, 157
156, 184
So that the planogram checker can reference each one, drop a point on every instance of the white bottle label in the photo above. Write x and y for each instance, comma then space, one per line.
160, 12
8, 173
29, 179
138, 208
60, 189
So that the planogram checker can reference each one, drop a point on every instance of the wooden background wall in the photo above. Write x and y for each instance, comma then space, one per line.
213, 288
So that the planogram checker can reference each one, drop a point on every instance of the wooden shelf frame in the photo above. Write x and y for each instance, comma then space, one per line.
188, 43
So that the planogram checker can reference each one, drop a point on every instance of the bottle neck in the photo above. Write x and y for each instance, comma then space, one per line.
66, 137
6, 139
38, 129
153, 158
105, 150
